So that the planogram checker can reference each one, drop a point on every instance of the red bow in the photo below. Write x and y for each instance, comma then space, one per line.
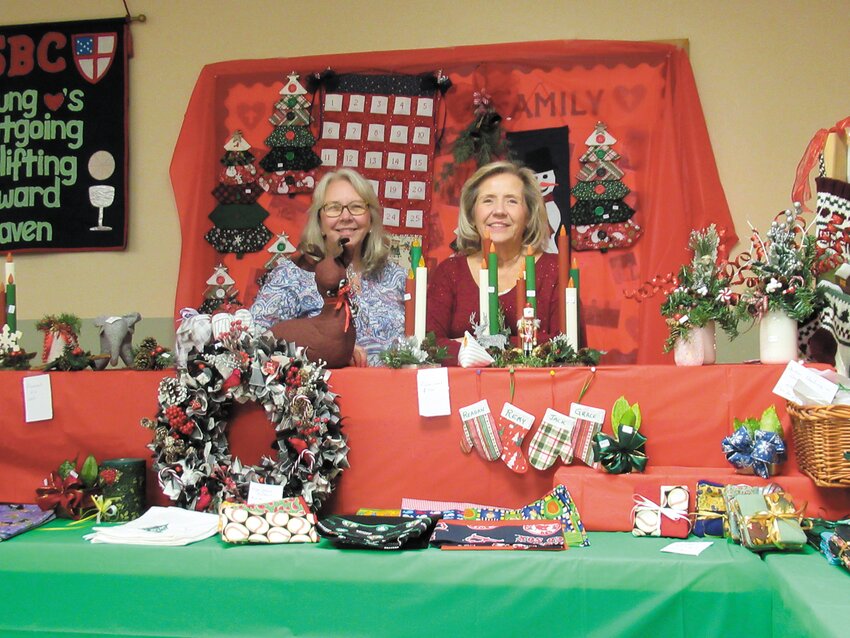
64, 494
343, 300
801, 192
63, 330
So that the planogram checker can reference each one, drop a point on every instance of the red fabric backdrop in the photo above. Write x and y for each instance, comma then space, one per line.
645, 92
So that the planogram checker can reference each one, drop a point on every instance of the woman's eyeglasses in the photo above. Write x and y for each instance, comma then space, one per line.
334, 209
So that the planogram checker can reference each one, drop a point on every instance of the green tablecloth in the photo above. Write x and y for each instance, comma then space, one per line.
54, 583
811, 597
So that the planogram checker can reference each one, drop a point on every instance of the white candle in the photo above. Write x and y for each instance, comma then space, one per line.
483, 297
571, 305
421, 294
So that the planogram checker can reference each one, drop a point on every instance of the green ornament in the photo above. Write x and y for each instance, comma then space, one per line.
88, 474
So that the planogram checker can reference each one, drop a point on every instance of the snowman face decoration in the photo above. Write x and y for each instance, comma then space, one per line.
546, 181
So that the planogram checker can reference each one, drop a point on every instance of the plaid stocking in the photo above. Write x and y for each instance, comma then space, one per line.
479, 431
551, 439
514, 424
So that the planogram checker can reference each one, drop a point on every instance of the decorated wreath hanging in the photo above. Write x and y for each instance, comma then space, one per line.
191, 455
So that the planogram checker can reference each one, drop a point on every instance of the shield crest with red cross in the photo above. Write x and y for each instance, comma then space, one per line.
94, 53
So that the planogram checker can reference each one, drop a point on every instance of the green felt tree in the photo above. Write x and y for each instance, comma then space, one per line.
601, 219
238, 218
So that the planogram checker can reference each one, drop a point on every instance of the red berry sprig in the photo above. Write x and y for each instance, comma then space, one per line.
178, 420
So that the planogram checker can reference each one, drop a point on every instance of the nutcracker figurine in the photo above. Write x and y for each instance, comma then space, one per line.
527, 329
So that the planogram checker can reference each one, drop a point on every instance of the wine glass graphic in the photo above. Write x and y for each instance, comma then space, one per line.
101, 196
101, 167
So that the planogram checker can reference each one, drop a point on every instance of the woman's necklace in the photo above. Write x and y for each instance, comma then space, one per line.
353, 280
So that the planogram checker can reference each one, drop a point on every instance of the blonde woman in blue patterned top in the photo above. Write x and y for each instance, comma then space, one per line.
344, 206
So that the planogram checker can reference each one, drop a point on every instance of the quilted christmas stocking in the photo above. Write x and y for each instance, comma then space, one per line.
833, 213
479, 431
552, 439
514, 424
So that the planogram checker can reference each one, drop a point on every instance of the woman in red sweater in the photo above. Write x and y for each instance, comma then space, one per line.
503, 201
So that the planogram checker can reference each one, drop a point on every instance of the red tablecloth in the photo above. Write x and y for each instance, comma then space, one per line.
395, 452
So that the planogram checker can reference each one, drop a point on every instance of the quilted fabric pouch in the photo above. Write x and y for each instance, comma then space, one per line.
288, 520
504, 534
377, 532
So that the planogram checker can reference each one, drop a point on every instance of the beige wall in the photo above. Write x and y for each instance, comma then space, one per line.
769, 72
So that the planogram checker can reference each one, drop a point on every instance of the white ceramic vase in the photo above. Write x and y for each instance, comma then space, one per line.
708, 335
777, 337
689, 351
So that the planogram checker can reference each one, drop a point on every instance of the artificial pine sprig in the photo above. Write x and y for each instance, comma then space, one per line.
482, 141
410, 351
553, 353
64, 321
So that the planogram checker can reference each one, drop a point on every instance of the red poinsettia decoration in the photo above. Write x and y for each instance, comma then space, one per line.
66, 496
108, 476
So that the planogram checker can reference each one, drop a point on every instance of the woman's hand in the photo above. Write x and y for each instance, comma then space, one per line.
358, 358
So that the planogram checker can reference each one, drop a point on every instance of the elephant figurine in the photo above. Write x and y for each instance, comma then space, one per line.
194, 333
116, 339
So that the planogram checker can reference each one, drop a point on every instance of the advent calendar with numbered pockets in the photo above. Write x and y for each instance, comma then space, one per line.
384, 127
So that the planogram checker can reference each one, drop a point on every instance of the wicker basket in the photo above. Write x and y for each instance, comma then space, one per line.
821, 437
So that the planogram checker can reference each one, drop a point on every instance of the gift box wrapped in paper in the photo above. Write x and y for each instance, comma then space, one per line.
769, 521
710, 509
731, 525
666, 517
839, 544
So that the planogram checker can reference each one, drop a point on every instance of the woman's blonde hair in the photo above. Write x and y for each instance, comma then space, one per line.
373, 252
536, 233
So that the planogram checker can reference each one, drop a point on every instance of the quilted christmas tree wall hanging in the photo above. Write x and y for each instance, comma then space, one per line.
238, 218
221, 292
601, 219
290, 164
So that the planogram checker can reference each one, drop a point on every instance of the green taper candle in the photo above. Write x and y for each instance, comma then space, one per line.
493, 290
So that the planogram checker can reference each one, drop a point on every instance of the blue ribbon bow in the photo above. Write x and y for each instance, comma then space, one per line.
757, 452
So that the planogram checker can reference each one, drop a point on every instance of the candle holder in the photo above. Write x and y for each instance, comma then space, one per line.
123, 482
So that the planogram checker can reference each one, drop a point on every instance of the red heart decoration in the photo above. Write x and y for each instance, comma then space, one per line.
54, 100
630, 97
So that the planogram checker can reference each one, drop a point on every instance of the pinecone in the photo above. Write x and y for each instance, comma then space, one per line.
143, 360
148, 344
172, 392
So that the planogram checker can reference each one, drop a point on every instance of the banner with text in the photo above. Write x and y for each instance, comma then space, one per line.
63, 136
